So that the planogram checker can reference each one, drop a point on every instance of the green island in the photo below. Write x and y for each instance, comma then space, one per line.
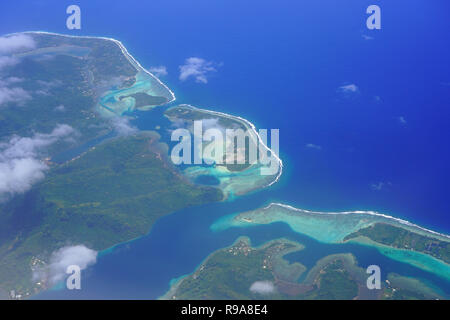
102, 186
404, 239
392, 237
112, 194
100, 182
245, 272
234, 179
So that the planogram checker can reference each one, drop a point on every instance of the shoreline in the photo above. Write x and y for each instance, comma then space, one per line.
176, 282
125, 52
252, 127
138, 67
368, 212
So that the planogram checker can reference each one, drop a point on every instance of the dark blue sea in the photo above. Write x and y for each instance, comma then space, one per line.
280, 65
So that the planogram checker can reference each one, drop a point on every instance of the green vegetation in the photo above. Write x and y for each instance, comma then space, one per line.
144, 100
403, 288
230, 272
114, 193
403, 239
64, 88
334, 283
105, 59
189, 113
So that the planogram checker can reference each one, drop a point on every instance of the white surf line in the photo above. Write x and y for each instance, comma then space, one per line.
252, 126
372, 213
125, 52
135, 62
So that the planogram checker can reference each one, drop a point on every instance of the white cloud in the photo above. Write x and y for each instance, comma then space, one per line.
20, 166
14, 94
366, 37
402, 120
55, 271
10, 93
60, 108
380, 185
313, 146
349, 88
9, 45
123, 127
18, 175
159, 71
14, 43
7, 61
212, 123
262, 287
197, 68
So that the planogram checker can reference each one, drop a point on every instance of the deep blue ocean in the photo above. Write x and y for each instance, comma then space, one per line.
384, 147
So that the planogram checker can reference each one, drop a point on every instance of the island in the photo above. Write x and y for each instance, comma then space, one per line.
242, 271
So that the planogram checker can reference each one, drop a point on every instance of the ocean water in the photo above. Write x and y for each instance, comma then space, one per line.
282, 63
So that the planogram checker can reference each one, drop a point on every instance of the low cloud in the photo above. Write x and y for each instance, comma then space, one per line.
20, 166
313, 146
14, 94
198, 69
10, 44
60, 108
123, 127
262, 287
212, 123
159, 71
378, 186
7, 61
10, 92
349, 88
55, 270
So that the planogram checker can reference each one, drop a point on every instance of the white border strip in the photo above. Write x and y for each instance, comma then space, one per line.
129, 57
372, 213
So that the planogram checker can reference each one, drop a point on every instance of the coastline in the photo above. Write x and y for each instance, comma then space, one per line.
138, 67
125, 52
370, 213
249, 125
176, 282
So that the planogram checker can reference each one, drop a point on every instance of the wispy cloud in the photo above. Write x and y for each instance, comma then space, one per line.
262, 287
349, 88
402, 120
378, 186
55, 270
159, 71
20, 166
7, 61
14, 43
8, 46
123, 127
198, 69
60, 108
13, 94
313, 146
